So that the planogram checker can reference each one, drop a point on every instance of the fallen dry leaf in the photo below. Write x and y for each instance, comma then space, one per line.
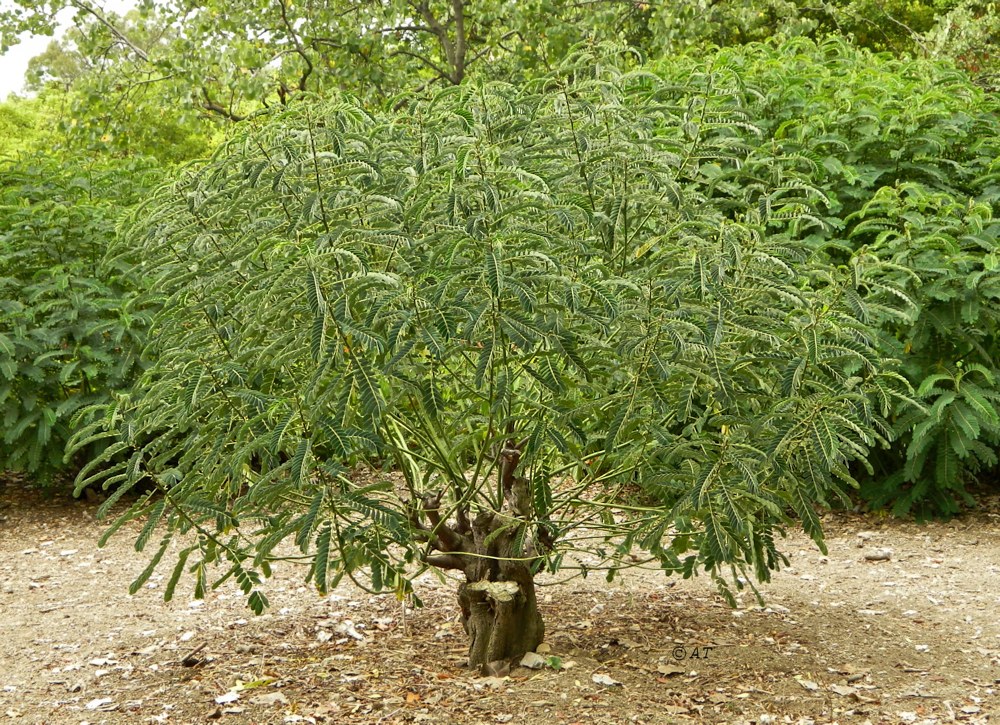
844, 690
271, 698
605, 680
807, 684
665, 669
533, 661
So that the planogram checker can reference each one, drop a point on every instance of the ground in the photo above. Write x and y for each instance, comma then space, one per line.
898, 624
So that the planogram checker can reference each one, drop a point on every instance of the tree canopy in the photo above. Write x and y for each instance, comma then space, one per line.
525, 301
232, 59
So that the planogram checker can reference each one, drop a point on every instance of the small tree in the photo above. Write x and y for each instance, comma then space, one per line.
536, 311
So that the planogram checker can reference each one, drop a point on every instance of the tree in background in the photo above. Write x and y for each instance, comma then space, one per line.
970, 33
232, 59
109, 104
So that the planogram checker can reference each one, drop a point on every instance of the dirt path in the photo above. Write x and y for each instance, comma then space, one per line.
914, 639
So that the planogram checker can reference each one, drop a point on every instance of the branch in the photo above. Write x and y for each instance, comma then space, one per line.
153, 80
402, 28
510, 457
315, 40
298, 45
914, 35
462, 521
515, 488
420, 532
633, 3
213, 107
446, 561
443, 74
405, 100
479, 55
448, 538
114, 31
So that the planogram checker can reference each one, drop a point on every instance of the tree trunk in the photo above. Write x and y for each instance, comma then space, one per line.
494, 551
501, 616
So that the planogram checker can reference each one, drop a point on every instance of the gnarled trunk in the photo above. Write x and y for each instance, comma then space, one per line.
501, 616
494, 551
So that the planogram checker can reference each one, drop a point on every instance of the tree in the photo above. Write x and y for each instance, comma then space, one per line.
60, 64
231, 59
968, 34
532, 312
107, 102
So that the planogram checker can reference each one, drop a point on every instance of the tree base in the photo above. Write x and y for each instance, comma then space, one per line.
501, 617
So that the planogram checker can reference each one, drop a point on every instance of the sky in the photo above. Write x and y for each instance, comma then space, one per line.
15, 62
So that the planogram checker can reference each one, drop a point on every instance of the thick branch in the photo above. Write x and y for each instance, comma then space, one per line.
510, 457
449, 539
463, 523
213, 107
447, 561
420, 532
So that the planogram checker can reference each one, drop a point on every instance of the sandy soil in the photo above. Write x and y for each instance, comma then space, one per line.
911, 639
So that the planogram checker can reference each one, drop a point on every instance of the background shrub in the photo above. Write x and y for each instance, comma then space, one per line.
898, 159
69, 332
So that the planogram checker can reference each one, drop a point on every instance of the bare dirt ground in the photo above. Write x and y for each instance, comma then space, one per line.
911, 639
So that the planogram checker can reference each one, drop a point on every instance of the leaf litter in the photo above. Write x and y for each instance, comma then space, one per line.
842, 638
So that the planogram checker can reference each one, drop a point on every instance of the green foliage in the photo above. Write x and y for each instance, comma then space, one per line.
944, 254
560, 275
953, 436
112, 104
963, 32
689, 24
229, 60
968, 34
28, 126
904, 153
897, 26
68, 330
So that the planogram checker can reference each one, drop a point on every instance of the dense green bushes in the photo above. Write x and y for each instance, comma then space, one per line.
904, 155
69, 333
868, 163
963, 33
27, 126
